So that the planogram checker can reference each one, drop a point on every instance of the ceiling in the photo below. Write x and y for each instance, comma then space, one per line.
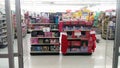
25, 2
47, 5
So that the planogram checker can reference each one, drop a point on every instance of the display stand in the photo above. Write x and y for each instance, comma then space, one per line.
80, 38
3, 31
108, 25
23, 24
45, 39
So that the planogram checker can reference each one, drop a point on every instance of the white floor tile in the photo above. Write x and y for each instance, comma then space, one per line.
98, 59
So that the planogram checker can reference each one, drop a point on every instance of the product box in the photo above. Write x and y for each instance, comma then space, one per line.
68, 22
76, 43
34, 33
46, 41
55, 26
34, 40
87, 34
84, 49
73, 35
69, 43
36, 27
56, 34
33, 48
56, 48
38, 48
52, 41
52, 48
45, 48
76, 22
75, 49
48, 34
66, 28
82, 22
40, 40
69, 34
89, 23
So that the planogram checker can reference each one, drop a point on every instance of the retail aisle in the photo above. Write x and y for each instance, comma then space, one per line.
97, 60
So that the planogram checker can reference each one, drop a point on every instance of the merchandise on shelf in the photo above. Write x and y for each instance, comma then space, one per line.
3, 31
79, 38
108, 25
23, 24
46, 27
45, 38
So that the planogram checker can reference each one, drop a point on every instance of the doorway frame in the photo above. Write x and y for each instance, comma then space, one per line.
116, 47
11, 55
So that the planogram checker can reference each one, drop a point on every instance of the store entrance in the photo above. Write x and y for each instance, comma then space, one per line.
42, 31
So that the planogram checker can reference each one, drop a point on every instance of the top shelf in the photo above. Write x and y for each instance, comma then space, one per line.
77, 24
43, 23
2, 18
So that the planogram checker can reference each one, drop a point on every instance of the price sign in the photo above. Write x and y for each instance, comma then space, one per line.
113, 13
46, 29
107, 14
77, 33
92, 32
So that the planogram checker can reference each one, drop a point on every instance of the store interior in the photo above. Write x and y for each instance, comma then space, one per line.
62, 33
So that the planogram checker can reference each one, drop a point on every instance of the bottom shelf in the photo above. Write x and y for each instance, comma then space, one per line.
107, 38
73, 53
3, 46
44, 53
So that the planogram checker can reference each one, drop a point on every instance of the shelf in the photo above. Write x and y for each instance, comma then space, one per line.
71, 46
3, 36
3, 46
5, 43
74, 30
78, 38
43, 23
77, 53
2, 18
44, 52
46, 37
45, 44
42, 30
3, 23
3, 27
3, 32
54, 30
74, 24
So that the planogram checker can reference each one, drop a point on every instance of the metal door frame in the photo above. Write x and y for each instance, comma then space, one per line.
116, 53
10, 40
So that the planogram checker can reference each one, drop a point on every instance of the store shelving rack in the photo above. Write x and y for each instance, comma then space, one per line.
70, 39
42, 45
3, 32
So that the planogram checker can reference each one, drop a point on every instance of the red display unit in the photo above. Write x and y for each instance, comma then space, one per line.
80, 37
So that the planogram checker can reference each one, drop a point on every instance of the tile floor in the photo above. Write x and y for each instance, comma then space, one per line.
101, 58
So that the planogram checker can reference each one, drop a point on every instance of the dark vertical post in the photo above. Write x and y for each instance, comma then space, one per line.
9, 34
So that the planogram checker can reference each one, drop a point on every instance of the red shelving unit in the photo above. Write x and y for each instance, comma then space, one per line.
80, 37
